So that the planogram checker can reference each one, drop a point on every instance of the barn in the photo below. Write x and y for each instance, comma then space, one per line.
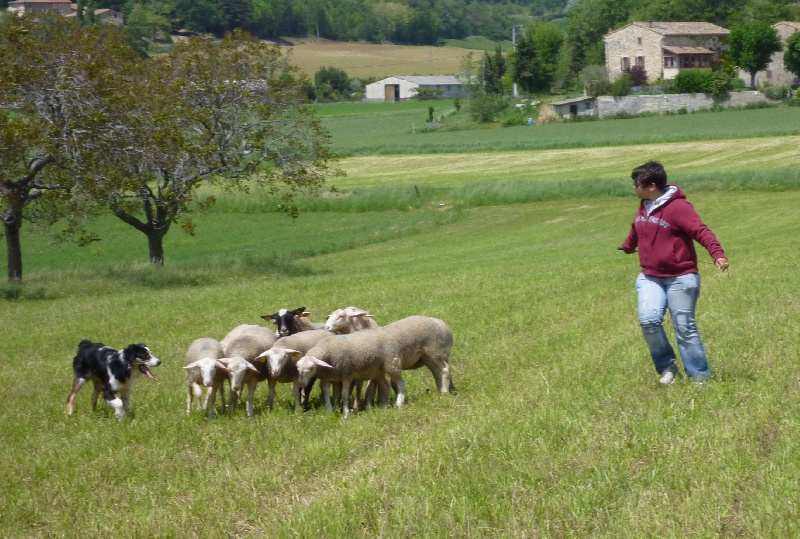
403, 88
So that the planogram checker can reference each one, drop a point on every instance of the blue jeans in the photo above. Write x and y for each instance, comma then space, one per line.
679, 295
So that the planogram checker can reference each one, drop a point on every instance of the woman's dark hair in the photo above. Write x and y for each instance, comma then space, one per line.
650, 173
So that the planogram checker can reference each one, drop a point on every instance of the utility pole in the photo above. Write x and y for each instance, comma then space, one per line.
514, 42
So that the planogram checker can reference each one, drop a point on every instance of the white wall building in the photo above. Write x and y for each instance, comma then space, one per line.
402, 88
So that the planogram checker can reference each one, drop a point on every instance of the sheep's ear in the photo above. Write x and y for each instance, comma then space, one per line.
300, 311
305, 314
192, 365
262, 357
251, 367
359, 312
273, 317
319, 362
294, 353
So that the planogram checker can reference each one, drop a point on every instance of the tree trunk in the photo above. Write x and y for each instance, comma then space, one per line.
12, 221
155, 242
753, 80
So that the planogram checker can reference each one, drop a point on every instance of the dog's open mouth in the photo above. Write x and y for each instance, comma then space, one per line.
146, 372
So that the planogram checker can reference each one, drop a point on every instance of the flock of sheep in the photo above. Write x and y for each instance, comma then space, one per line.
350, 348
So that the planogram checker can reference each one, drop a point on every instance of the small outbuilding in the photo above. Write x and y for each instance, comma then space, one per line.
403, 88
578, 106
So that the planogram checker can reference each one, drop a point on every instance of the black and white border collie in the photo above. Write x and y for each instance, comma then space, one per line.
112, 371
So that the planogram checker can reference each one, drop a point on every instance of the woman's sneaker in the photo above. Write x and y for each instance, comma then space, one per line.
668, 376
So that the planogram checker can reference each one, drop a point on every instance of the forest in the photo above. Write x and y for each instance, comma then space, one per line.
429, 22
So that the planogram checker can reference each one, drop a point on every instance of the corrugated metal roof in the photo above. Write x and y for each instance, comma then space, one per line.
573, 100
434, 80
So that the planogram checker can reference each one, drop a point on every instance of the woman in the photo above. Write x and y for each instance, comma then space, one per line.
664, 231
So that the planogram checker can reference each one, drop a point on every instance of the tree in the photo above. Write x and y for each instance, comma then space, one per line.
549, 39
494, 69
332, 83
525, 63
752, 46
55, 76
791, 58
230, 114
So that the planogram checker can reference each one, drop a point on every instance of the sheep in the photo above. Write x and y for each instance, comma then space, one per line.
282, 361
246, 329
350, 319
424, 340
203, 368
291, 322
247, 347
242, 372
369, 354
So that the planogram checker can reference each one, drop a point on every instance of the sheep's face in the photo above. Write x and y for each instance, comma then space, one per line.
278, 358
307, 367
237, 368
207, 368
337, 321
285, 320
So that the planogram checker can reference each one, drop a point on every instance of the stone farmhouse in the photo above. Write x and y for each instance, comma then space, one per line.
776, 74
65, 7
403, 88
663, 48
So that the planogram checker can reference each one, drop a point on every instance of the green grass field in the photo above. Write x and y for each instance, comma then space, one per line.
559, 427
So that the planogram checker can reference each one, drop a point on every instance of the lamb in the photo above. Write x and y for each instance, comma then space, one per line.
246, 348
203, 368
424, 340
369, 354
349, 319
282, 361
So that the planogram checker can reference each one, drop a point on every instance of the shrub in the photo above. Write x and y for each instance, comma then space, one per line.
777, 93
484, 107
638, 75
694, 81
621, 86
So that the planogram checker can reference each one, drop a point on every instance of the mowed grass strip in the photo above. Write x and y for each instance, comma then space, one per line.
559, 426
450, 170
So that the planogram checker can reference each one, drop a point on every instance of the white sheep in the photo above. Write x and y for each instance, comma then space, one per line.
203, 369
247, 347
424, 340
364, 355
282, 361
247, 329
349, 320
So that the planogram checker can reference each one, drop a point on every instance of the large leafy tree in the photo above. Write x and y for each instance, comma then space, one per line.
791, 57
55, 78
230, 114
751, 47
525, 67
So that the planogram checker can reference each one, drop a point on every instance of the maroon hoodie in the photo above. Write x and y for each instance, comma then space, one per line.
665, 231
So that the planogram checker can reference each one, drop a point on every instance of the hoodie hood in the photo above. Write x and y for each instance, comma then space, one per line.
671, 192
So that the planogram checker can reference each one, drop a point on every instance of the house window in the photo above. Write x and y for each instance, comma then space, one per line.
769, 73
626, 63
638, 41
640, 61
670, 61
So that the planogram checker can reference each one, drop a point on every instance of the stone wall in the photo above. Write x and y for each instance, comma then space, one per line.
637, 104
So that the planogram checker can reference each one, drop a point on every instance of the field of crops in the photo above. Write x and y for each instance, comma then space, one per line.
369, 60
558, 428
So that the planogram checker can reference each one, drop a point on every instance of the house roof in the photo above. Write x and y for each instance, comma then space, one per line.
573, 100
794, 24
687, 50
679, 28
431, 80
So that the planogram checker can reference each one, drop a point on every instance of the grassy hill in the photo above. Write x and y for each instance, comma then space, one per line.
559, 426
